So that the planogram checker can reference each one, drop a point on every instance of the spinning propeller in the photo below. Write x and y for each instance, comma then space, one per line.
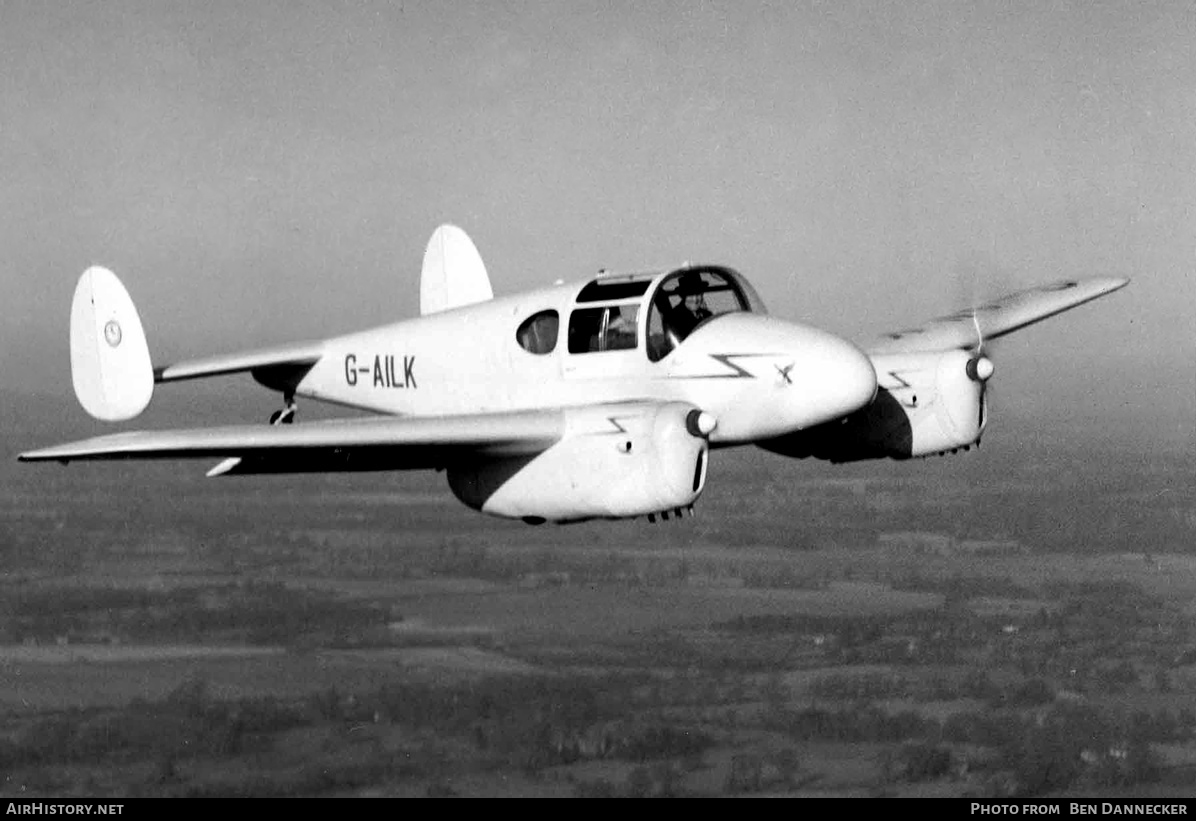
980, 367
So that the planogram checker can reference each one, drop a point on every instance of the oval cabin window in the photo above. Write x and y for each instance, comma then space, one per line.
537, 334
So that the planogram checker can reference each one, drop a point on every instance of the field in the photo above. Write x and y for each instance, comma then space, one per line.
1009, 622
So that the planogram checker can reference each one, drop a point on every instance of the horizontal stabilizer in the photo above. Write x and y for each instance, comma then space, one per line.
453, 272
298, 355
996, 318
110, 361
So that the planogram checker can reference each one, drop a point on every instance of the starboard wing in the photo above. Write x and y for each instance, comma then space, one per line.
996, 318
381, 443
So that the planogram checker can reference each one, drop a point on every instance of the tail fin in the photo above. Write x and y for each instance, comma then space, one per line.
110, 361
453, 273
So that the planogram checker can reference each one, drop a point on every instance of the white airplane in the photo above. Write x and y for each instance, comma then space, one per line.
598, 399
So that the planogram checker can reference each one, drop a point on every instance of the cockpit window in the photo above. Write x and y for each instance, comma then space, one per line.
610, 328
684, 301
537, 334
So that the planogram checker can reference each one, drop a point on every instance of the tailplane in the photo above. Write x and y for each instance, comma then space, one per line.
453, 274
110, 361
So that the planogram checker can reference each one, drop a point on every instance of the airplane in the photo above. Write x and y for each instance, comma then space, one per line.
600, 399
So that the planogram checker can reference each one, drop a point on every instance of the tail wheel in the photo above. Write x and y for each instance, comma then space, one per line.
285, 416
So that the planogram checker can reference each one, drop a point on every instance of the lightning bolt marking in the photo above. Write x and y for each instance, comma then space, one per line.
614, 420
737, 371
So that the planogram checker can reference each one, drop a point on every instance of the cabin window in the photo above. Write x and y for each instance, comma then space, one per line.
537, 334
610, 328
686, 300
608, 290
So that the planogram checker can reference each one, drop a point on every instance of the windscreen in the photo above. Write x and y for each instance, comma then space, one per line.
687, 299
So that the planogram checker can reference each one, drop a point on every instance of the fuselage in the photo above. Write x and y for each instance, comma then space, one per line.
698, 335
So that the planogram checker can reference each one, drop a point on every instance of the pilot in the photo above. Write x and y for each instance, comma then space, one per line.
695, 303
691, 310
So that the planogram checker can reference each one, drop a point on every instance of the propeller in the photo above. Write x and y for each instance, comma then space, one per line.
980, 367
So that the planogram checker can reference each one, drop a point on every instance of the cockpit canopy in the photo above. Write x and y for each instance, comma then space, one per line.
609, 311
688, 298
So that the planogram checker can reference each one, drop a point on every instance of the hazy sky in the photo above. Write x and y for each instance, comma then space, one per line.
262, 172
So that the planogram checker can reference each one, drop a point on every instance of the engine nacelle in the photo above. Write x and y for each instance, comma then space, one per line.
614, 462
927, 403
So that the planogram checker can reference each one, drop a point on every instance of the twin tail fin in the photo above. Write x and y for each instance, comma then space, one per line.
110, 360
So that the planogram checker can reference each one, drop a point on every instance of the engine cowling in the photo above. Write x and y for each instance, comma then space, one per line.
927, 403
616, 461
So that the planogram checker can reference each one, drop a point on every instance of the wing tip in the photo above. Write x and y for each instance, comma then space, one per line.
1105, 284
47, 455
1100, 286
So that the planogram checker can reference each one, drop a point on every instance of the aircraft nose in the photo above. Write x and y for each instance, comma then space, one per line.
843, 378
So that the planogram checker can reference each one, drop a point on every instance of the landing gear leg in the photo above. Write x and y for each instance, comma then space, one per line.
287, 415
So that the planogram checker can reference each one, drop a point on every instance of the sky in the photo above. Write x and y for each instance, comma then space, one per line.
259, 173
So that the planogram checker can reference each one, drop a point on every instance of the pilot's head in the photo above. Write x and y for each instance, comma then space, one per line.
691, 289
690, 284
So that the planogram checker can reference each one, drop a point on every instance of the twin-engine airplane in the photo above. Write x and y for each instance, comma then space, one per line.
599, 399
